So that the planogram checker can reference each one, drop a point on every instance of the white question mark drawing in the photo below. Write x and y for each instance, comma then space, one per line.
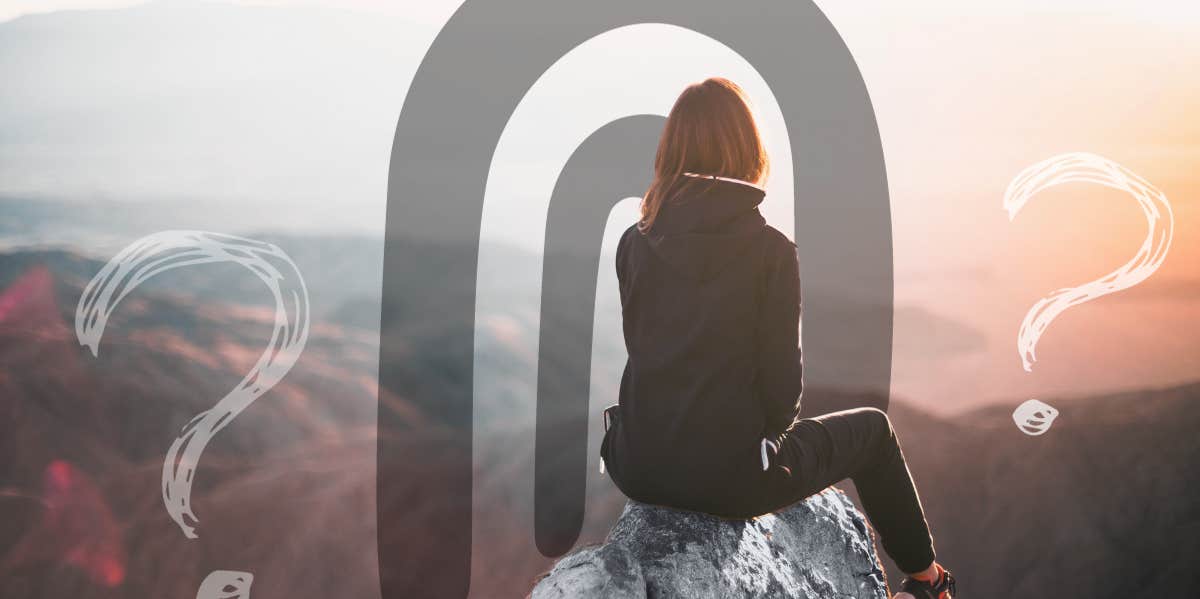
1160, 221
169, 250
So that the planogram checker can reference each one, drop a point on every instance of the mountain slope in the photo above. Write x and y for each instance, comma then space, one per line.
1105, 504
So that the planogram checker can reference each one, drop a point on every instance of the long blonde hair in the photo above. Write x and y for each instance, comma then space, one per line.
710, 131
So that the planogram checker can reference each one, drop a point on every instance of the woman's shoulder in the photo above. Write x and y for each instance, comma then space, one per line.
628, 237
777, 240
630, 231
623, 245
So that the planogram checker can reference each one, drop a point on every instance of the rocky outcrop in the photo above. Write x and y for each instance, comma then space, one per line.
818, 548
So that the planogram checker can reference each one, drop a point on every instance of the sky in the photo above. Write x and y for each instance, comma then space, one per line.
966, 95
437, 12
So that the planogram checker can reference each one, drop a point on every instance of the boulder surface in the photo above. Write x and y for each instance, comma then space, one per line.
818, 548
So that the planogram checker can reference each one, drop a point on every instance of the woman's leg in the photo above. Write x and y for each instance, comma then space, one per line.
860, 445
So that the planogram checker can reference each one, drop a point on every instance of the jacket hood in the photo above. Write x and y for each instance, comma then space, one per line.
705, 223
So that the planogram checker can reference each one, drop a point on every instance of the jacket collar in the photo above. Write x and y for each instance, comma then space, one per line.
727, 179
708, 204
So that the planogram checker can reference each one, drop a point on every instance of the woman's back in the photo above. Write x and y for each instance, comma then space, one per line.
708, 296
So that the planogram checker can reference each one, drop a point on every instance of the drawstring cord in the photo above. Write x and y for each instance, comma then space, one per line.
766, 461
607, 417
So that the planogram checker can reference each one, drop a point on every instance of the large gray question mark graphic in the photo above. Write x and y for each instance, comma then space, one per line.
1034, 417
169, 250
474, 75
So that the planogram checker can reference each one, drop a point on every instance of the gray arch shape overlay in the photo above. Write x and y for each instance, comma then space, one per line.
474, 75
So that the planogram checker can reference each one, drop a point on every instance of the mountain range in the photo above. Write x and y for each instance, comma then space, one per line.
1102, 505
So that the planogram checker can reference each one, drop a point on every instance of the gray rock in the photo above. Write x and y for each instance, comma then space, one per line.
608, 570
818, 548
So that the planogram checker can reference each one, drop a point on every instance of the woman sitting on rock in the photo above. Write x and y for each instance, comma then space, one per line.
709, 408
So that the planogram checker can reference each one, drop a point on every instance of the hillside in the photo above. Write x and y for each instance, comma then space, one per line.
287, 490
1105, 504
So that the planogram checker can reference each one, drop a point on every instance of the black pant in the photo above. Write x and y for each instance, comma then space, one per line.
858, 444
815, 453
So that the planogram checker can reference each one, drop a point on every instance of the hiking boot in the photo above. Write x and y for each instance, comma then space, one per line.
921, 589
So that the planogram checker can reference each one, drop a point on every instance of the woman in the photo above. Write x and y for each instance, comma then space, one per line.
708, 418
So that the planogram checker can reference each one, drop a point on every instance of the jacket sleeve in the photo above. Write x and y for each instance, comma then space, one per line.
620, 261
781, 363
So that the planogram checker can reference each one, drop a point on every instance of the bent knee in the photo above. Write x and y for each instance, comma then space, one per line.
878, 420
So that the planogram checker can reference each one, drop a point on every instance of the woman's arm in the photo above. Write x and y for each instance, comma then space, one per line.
781, 363
623, 255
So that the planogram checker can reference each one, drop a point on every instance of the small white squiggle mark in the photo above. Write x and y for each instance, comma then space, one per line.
226, 584
169, 250
1034, 417
1090, 168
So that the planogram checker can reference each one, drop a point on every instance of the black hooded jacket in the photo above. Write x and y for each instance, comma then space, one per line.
710, 299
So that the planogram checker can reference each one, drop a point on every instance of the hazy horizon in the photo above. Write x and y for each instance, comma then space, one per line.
286, 126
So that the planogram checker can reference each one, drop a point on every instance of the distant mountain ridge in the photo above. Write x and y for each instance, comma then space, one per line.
1103, 505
